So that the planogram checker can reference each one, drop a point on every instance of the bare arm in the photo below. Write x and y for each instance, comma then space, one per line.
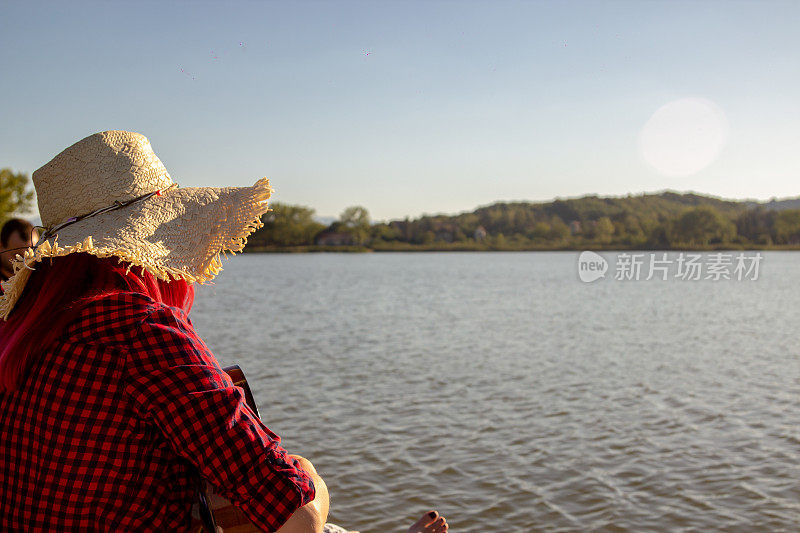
312, 516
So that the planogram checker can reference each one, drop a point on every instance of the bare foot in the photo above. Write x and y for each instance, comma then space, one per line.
429, 523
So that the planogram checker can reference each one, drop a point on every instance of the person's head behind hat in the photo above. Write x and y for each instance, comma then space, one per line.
16, 235
19, 226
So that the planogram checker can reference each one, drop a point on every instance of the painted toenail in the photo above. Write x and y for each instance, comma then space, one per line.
432, 514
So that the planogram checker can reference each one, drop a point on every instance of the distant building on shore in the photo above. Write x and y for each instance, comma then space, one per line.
334, 238
480, 233
444, 235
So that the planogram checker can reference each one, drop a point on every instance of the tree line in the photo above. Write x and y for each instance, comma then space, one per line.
666, 220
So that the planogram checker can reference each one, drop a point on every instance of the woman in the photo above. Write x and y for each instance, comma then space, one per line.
110, 404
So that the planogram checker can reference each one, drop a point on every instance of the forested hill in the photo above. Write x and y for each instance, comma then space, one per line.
661, 220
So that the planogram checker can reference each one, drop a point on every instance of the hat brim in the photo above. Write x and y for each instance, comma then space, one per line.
177, 235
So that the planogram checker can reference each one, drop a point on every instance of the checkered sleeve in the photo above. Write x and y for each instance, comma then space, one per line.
175, 382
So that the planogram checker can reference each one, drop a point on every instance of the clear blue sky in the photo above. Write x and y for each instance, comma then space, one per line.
408, 107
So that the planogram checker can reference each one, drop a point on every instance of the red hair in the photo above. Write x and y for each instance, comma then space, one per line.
54, 295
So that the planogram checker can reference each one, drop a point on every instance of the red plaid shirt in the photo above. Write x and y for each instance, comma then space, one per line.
102, 433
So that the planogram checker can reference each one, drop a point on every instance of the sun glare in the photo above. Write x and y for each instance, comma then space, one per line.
684, 136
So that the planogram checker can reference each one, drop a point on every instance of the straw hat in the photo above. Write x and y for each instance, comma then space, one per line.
110, 195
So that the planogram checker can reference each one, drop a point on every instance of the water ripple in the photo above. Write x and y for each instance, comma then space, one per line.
500, 390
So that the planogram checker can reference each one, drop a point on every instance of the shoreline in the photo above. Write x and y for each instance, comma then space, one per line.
487, 248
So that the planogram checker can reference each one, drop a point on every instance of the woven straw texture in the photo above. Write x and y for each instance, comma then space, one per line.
177, 235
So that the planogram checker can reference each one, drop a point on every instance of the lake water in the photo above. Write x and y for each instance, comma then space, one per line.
503, 391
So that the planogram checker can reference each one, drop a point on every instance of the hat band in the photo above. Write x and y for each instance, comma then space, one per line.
53, 230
